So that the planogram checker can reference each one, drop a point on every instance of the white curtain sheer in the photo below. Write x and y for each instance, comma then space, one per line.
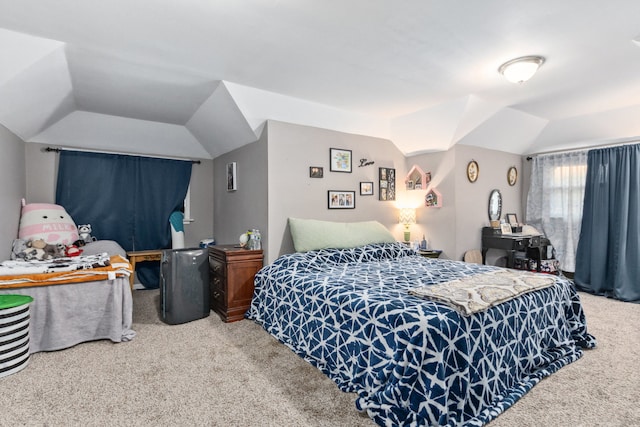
555, 199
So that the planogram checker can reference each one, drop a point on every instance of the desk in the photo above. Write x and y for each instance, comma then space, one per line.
139, 256
492, 238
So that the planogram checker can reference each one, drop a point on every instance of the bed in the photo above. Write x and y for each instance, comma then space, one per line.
415, 360
78, 304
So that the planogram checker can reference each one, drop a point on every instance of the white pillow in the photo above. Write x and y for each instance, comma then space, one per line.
311, 234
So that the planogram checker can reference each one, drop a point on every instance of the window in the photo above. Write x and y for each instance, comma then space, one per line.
566, 191
554, 202
187, 207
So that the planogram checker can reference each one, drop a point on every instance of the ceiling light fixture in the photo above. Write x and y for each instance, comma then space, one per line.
521, 69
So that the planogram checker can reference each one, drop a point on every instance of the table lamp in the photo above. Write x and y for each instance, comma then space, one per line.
407, 217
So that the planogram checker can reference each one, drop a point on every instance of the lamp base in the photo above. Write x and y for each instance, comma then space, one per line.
407, 236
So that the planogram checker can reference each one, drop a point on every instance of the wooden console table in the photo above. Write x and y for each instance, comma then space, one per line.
139, 256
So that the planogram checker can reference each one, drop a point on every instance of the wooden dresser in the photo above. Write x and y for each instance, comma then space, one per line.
232, 271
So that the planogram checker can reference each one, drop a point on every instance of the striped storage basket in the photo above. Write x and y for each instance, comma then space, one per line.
14, 333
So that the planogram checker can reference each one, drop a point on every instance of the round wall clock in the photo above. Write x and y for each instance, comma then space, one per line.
472, 171
512, 176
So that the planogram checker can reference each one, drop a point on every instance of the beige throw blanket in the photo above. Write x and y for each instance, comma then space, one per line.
479, 292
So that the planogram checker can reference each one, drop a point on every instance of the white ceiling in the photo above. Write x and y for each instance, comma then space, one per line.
197, 78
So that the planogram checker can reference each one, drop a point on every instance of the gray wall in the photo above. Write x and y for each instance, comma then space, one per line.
281, 188
42, 171
274, 184
456, 227
292, 193
12, 188
237, 211
472, 199
201, 204
438, 225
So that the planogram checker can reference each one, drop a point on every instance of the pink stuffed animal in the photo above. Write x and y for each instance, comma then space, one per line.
48, 222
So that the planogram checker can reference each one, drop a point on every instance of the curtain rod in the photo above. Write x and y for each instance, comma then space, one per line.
569, 150
59, 149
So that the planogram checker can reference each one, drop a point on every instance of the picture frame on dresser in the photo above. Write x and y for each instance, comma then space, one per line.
505, 228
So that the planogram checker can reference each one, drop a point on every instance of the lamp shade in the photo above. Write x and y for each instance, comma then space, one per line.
407, 216
520, 70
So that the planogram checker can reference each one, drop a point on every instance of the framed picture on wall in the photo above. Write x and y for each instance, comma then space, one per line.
512, 176
341, 199
316, 172
340, 160
473, 170
232, 179
387, 183
366, 188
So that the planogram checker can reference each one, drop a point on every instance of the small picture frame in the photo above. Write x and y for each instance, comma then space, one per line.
505, 228
337, 199
316, 172
366, 188
473, 170
232, 179
512, 176
340, 160
512, 218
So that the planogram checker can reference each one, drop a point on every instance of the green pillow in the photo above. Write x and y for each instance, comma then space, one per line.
311, 234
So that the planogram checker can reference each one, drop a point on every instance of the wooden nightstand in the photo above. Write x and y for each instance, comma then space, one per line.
232, 270
430, 253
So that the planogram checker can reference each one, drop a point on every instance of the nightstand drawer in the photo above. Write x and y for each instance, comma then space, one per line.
218, 297
217, 266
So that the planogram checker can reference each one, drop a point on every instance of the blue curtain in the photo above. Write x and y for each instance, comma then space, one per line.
125, 198
608, 254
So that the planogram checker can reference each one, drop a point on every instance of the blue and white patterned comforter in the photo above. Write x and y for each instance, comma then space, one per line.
413, 361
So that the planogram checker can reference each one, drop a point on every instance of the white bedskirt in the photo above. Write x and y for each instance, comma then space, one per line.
65, 315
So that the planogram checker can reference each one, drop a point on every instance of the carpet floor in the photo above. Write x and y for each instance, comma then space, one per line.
210, 373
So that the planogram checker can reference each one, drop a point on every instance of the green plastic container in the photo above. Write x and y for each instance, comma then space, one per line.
11, 301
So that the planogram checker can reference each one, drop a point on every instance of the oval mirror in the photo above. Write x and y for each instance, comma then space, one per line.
495, 205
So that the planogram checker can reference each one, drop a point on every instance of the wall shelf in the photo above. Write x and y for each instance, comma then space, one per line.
416, 179
433, 199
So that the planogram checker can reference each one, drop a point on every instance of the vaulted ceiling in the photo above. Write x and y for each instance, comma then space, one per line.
198, 78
